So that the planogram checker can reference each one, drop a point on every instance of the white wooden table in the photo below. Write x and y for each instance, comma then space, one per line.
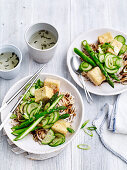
71, 17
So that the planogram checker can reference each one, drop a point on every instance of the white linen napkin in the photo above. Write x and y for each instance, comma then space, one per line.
111, 124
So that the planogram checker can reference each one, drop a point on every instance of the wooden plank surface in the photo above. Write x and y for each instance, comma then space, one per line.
70, 17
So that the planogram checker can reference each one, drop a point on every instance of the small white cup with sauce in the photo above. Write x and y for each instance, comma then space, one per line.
9, 67
42, 40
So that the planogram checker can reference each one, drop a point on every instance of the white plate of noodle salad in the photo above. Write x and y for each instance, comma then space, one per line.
48, 117
103, 54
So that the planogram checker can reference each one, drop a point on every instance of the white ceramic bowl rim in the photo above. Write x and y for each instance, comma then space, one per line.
17, 49
37, 48
78, 128
91, 30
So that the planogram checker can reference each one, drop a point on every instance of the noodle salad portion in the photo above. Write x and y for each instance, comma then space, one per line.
45, 112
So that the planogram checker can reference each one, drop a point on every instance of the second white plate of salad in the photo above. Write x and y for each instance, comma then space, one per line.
48, 117
103, 54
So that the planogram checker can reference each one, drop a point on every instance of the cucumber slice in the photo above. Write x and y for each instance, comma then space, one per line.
21, 107
101, 58
48, 126
33, 112
109, 61
119, 62
32, 90
123, 49
31, 106
26, 116
56, 117
120, 38
59, 139
84, 66
111, 71
44, 121
47, 106
48, 138
51, 117
25, 108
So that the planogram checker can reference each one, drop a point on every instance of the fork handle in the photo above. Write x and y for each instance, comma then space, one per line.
88, 96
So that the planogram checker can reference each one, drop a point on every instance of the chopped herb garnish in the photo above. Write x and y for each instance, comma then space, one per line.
46, 32
84, 124
39, 84
83, 146
6, 65
13, 62
91, 128
13, 116
70, 130
35, 41
2, 54
88, 132
13, 53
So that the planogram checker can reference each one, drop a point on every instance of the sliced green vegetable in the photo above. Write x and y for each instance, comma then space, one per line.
48, 138
84, 66
25, 108
70, 130
123, 49
84, 57
120, 38
88, 132
29, 129
13, 116
46, 106
109, 61
39, 84
91, 128
114, 77
59, 139
101, 57
31, 106
22, 106
56, 117
54, 97
64, 116
83, 146
51, 118
32, 90
111, 71
84, 124
48, 126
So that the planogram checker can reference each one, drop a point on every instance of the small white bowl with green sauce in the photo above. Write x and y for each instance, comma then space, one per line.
10, 61
42, 40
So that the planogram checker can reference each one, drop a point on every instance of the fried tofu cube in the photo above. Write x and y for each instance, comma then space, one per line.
96, 76
47, 93
54, 84
38, 95
44, 94
61, 126
105, 38
116, 47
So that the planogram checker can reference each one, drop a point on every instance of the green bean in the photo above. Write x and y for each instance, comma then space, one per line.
84, 57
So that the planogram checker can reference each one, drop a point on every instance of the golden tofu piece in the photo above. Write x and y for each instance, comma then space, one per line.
38, 95
47, 93
61, 126
54, 84
44, 93
116, 47
96, 76
105, 38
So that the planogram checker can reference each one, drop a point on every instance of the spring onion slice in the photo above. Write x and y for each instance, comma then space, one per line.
83, 146
70, 130
91, 128
84, 124
88, 132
